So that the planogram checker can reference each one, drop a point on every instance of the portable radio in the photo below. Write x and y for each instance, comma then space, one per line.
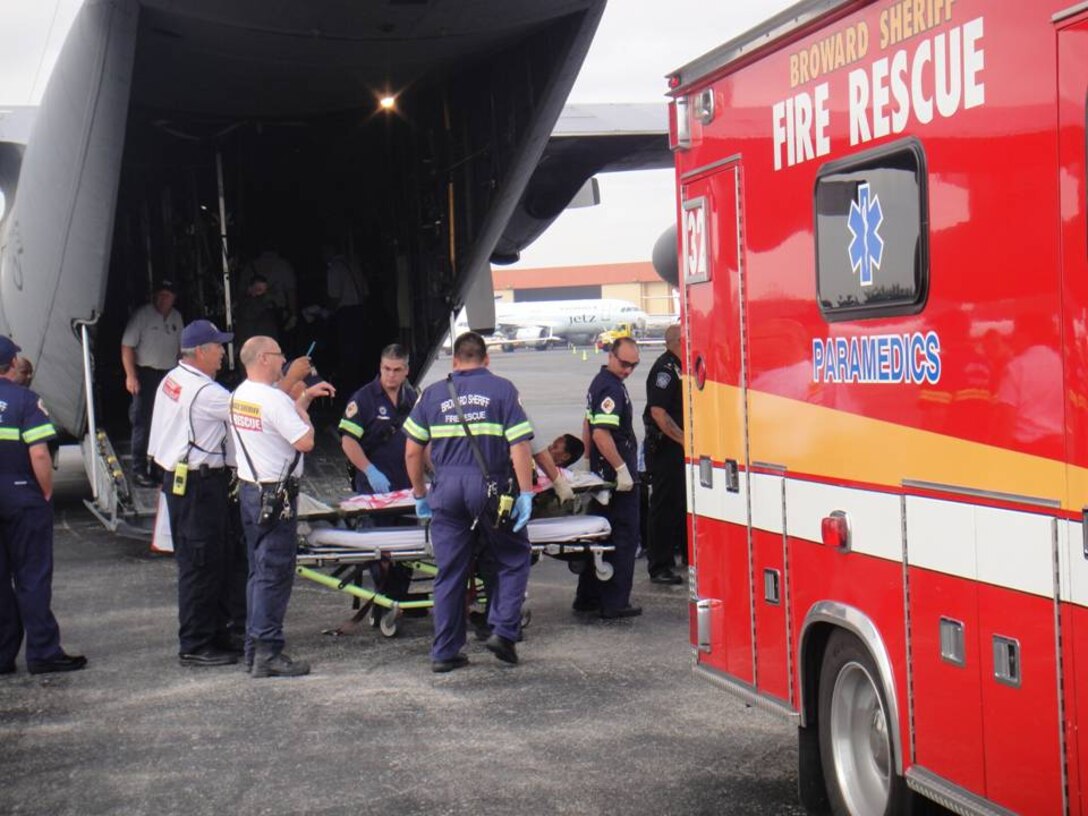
181, 478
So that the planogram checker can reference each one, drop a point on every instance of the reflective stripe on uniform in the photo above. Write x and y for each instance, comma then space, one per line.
477, 428
413, 429
604, 419
9, 434
39, 432
519, 430
352, 428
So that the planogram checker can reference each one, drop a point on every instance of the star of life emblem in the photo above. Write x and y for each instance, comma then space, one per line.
866, 244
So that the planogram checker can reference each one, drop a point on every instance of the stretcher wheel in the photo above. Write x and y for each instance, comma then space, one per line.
389, 622
604, 572
526, 617
577, 566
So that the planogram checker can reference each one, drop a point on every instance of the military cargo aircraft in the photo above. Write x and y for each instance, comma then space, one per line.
175, 136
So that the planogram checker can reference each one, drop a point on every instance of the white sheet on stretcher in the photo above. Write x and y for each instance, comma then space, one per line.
390, 540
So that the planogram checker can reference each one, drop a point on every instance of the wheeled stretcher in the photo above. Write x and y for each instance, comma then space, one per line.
578, 540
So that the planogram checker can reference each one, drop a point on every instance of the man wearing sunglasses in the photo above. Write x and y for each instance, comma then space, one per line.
615, 457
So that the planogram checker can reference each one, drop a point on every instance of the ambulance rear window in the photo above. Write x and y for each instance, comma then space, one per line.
872, 236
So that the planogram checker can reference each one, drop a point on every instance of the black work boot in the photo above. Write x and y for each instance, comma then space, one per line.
267, 664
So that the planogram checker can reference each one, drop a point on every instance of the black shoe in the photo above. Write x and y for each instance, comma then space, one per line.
61, 663
279, 666
458, 661
625, 612
502, 648
666, 576
208, 657
144, 479
232, 641
585, 606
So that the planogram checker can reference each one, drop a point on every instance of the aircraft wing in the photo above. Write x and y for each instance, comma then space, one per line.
587, 139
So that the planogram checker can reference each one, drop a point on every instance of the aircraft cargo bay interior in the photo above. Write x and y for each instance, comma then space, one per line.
282, 129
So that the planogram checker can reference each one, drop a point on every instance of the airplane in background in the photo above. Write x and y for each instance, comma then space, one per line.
420, 137
544, 323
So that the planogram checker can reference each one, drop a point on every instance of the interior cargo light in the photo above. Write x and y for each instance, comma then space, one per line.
835, 530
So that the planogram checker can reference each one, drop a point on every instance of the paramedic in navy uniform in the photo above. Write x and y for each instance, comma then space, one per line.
458, 500
26, 528
615, 458
189, 424
370, 429
664, 421
271, 432
372, 440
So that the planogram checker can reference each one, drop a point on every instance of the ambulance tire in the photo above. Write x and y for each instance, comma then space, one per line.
856, 748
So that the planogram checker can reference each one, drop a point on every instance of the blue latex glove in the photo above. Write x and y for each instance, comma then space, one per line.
423, 508
523, 508
379, 482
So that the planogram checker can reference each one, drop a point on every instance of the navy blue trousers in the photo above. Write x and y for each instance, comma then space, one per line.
26, 576
272, 554
622, 513
139, 414
668, 508
202, 550
458, 498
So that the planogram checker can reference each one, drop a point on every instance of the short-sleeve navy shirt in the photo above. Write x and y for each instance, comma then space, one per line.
23, 422
663, 390
372, 419
608, 407
492, 410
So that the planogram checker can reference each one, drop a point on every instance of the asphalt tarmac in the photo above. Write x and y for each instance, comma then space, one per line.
599, 717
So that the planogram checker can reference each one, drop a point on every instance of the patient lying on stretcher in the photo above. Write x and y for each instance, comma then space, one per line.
552, 464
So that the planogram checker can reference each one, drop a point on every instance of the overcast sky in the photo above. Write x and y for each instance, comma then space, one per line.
637, 44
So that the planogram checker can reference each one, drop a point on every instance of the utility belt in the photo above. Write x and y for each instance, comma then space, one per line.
499, 503
204, 471
277, 500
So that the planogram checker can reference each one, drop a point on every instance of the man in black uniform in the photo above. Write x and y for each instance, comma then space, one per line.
615, 458
664, 421
26, 528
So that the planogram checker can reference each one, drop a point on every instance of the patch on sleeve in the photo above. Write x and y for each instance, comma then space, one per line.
663, 378
41, 407
608, 405
171, 388
351, 410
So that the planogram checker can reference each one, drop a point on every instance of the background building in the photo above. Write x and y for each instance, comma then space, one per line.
636, 282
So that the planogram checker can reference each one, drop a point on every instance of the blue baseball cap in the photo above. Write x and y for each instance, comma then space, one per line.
8, 350
200, 332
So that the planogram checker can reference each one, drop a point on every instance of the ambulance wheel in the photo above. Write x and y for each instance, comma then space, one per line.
389, 623
577, 566
604, 573
856, 748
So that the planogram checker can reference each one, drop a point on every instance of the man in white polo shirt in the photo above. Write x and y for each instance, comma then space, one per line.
271, 433
149, 348
189, 442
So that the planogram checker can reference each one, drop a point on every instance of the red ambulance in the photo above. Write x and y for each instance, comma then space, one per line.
884, 284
